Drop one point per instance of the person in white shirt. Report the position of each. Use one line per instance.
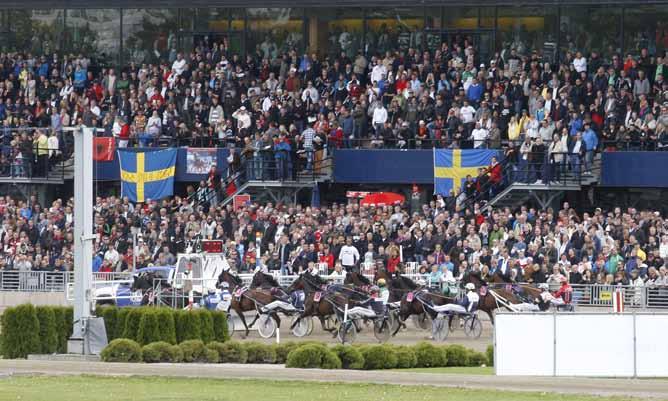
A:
(53, 145)
(349, 255)
(310, 94)
(242, 117)
(94, 108)
(378, 72)
(467, 112)
(580, 63)
(480, 136)
(379, 117)
(179, 64)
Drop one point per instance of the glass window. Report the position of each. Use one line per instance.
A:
(388, 29)
(275, 31)
(95, 33)
(459, 18)
(149, 35)
(527, 29)
(588, 28)
(219, 19)
(36, 31)
(646, 27)
(333, 30)
(487, 17)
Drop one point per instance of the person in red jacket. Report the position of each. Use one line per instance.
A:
(564, 293)
(495, 172)
(327, 257)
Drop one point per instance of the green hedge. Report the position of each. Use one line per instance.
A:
(308, 354)
(26, 329)
(490, 355)
(122, 350)
(429, 355)
(48, 334)
(146, 325)
(311, 356)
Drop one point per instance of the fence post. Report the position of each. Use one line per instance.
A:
(635, 348)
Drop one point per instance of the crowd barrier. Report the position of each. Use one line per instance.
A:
(552, 344)
(596, 295)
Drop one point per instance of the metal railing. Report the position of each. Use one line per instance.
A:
(595, 295)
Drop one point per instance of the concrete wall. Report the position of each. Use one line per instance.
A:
(13, 298)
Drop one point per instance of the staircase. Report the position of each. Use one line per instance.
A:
(518, 193)
(275, 190)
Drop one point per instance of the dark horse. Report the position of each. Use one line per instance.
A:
(488, 302)
(250, 300)
(322, 300)
(397, 284)
(524, 291)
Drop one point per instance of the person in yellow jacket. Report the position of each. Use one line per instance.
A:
(41, 146)
(514, 129)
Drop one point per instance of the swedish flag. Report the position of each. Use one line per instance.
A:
(147, 174)
(451, 166)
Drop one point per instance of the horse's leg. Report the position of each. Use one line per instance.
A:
(277, 320)
(491, 315)
(237, 308)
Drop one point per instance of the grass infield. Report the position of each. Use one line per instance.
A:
(88, 388)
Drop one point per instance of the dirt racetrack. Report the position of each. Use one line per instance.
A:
(657, 389)
(408, 336)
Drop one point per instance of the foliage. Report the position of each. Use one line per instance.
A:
(406, 357)
(232, 352)
(429, 356)
(20, 332)
(379, 357)
(48, 334)
(122, 350)
(193, 351)
(490, 355)
(312, 356)
(166, 325)
(260, 353)
(149, 328)
(132, 323)
(220, 330)
(110, 316)
(351, 357)
(158, 351)
(206, 325)
(189, 326)
(476, 358)
(457, 355)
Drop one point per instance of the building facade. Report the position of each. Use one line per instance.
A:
(114, 32)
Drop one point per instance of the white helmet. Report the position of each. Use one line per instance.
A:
(543, 286)
(225, 284)
(470, 286)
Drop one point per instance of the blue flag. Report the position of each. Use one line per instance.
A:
(451, 166)
(147, 174)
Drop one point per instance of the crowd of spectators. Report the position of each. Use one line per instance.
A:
(627, 247)
(449, 97)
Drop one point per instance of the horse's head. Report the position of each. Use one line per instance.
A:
(296, 285)
(381, 273)
(472, 277)
(362, 279)
(231, 279)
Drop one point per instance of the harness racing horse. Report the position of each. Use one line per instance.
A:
(524, 291)
(248, 300)
(398, 285)
(488, 303)
(321, 300)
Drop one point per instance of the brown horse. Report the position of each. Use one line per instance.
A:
(488, 302)
(397, 284)
(323, 303)
(524, 291)
(249, 300)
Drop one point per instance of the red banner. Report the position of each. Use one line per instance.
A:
(103, 149)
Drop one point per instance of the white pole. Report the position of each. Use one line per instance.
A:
(278, 335)
(345, 313)
(83, 230)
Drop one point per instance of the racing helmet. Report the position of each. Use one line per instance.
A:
(211, 291)
(374, 288)
(543, 286)
(470, 286)
(225, 284)
(381, 282)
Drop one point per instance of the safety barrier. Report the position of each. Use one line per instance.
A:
(635, 297)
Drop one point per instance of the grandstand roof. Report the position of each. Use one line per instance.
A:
(280, 3)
